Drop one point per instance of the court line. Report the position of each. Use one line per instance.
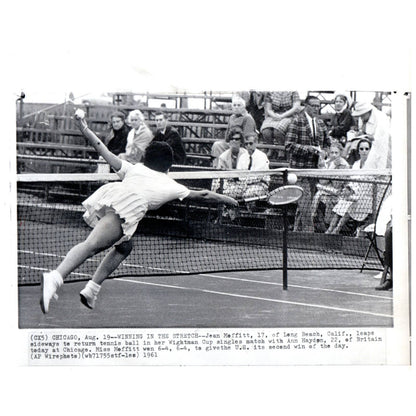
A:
(94, 260)
(297, 286)
(311, 305)
(202, 275)
(47, 270)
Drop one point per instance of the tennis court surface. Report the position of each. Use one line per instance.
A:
(192, 267)
(253, 299)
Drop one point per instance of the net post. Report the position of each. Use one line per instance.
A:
(285, 230)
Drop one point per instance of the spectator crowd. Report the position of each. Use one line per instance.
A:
(356, 136)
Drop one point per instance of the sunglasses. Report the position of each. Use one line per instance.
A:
(250, 143)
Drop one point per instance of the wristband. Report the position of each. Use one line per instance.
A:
(83, 130)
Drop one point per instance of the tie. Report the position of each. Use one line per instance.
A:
(314, 129)
(250, 162)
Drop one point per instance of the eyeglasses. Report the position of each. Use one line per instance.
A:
(249, 143)
(364, 148)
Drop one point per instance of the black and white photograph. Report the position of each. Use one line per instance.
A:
(305, 241)
(194, 192)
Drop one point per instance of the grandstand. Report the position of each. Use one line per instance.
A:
(48, 142)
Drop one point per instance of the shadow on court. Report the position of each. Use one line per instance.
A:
(255, 299)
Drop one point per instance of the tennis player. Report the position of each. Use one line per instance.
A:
(115, 210)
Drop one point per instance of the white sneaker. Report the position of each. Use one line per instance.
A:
(89, 294)
(50, 283)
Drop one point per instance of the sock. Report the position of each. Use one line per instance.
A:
(58, 277)
(94, 287)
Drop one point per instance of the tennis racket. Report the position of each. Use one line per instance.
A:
(280, 196)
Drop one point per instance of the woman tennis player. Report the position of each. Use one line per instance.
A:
(115, 210)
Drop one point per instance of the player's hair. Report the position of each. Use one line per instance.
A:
(158, 156)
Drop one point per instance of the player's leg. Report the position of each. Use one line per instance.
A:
(110, 263)
(107, 232)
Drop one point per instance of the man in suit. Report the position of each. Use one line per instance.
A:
(306, 139)
(166, 133)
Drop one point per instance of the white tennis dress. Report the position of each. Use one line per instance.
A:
(141, 189)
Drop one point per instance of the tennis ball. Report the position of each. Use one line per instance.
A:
(291, 178)
(80, 113)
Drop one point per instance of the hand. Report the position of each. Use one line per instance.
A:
(230, 201)
(317, 150)
(80, 123)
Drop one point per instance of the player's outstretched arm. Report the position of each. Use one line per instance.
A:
(113, 160)
(210, 196)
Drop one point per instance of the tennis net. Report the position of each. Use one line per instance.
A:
(189, 238)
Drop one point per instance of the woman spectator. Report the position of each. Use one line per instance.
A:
(231, 159)
(342, 121)
(116, 139)
(279, 107)
(356, 201)
(138, 138)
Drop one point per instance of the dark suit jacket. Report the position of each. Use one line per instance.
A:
(172, 138)
(299, 136)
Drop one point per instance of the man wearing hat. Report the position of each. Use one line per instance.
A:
(376, 124)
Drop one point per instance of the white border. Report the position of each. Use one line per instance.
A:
(297, 35)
